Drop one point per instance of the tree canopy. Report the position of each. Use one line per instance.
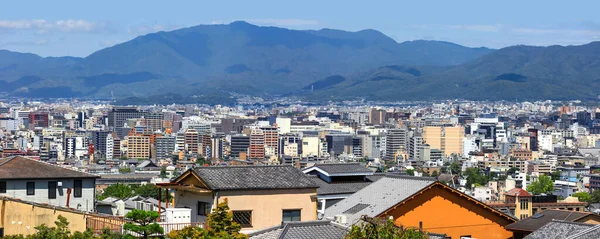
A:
(543, 184)
(143, 223)
(220, 225)
(376, 228)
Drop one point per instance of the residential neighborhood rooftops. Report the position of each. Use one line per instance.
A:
(378, 197)
(540, 219)
(338, 188)
(566, 230)
(302, 230)
(340, 169)
(253, 177)
(23, 168)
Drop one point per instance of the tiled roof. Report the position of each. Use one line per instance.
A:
(254, 177)
(518, 192)
(540, 219)
(23, 168)
(379, 196)
(566, 230)
(337, 188)
(302, 230)
(342, 168)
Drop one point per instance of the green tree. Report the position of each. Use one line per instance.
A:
(61, 231)
(220, 225)
(595, 196)
(583, 196)
(124, 170)
(455, 168)
(475, 176)
(434, 174)
(543, 184)
(120, 191)
(150, 190)
(375, 228)
(143, 223)
(410, 172)
(512, 171)
(163, 172)
(555, 175)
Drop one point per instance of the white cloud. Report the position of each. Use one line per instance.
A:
(44, 26)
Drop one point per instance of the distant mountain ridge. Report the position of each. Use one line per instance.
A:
(517, 72)
(236, 57)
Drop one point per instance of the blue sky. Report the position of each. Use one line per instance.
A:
(78, 28)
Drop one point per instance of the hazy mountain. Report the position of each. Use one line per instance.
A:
(235, 57)
(518, 72)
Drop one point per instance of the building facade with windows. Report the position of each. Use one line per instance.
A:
(258, 196)
(40, 182)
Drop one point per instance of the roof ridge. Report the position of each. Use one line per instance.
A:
(584, 231)
(8, 160)
(391, 175)
(247, 166)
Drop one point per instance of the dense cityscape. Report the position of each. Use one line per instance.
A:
(519, 160)
(299, 119)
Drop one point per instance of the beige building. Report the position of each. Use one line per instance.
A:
(259, 196)
(138, 146)
(448, 139)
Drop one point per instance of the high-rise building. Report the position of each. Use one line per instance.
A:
(377, 116)
(81, 117)
(447, 139)
(271, 137)
(289, 145)
(206, 142)
(257, 144)
(416, 148)
(38, 119)
(192, 140)
(99, 140)
(119, 115)
(138, 147)
(584, 118)
(165, 146)
(239, 143)
(338, 143)
(396, 141)
(217, 146)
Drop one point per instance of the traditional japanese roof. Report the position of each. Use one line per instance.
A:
(540, 219)
(338, 188)
(566, 230)
(340, 169)
(17, 167)
(302, 230)
(253, 177)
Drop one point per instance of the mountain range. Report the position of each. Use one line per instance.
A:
(202, 61)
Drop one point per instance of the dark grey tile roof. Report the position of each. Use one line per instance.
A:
(337, 188)
(23, 168)
(254, 177)
(342, 168)
(540, 219)
(379, 196)
(565, 230)
(302, 230)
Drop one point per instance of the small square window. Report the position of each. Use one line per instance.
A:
(244, 218)
(203, 208)
(30, 188)
(291, 216)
